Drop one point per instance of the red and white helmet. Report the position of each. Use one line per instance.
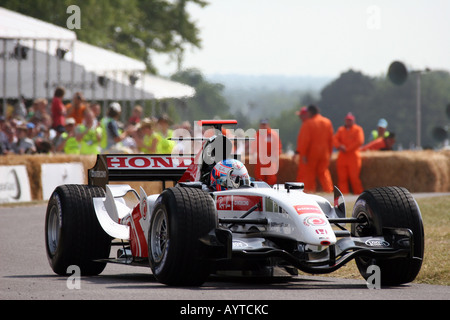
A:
(229, 174)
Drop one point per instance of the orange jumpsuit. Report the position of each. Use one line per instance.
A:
(301, 165)
(315, 145)
(377, 144)
(349, 161)
(267, 164)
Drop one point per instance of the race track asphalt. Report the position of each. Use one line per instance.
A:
(26, 275)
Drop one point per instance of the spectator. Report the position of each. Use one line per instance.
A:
(89, 134)
(136, 115)
(31, 130)
(58, 139)
(7, 138)
(267, 146)
(97, 110)
(70, 143)
(149, 141)
(46, 130)
(111, 135)
(77, 108)
(58, 109)
(41, 120)
(43, 146)
(348, 139)
(3, 136)
(303, 115)
(23, 145)
(381, 130)
(315, 146)
(381, 143)
(39, 110)
(163, 135)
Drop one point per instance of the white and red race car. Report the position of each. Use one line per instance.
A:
(189, 232)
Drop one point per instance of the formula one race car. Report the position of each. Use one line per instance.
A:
(215, 220)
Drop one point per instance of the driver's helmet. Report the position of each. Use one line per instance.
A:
(229, 174)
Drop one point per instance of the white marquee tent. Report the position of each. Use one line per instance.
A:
(14, 25)
(36, 57)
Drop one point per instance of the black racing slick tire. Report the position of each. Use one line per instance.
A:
(73, 235)
(390, 207)
(181, 217)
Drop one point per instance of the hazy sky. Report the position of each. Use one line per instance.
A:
(318, 38)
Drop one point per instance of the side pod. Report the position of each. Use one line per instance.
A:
(108, 212)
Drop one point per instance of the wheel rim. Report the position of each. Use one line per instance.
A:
(53, 230)
(363, 229)
(159, 235)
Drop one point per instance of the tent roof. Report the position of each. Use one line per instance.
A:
(97, 59)
(14, 25)
(163, 88)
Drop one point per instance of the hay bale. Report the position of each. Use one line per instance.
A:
(287, 171)
(33, 164)
(418, 171)
(446, 154)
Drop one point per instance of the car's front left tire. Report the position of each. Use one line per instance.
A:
(73, 235)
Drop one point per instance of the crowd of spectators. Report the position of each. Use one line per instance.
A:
(78, 128)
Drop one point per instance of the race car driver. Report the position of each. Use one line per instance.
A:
(229, 174)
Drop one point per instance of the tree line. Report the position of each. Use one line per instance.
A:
(136, 28)
(368, 98)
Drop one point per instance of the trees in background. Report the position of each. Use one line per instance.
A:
(136, 28)
(368, 98)
(208, 102)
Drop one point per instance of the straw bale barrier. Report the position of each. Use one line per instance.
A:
(425, 171)
(418, 171)
(33, 165)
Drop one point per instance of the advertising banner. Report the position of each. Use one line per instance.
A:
(14, 184)
(56, 174)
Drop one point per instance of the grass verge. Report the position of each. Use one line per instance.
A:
(436, 265)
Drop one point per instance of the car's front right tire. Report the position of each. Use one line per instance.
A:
(390, 207)
(180, 218)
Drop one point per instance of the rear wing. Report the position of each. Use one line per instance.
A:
(162, 167)
(138, 167)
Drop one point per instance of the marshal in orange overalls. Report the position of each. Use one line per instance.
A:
(315, 145)
(348, 139)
